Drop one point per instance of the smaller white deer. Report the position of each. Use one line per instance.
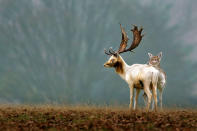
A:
(155, 62)
(138, 76)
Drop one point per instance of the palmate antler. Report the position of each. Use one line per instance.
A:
(137, 37)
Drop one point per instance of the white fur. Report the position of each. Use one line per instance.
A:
(161, 86)
(139, 72)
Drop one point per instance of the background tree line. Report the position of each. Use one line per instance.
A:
(52, 51)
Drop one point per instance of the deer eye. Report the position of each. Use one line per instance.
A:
(112, 61)
(115, 55)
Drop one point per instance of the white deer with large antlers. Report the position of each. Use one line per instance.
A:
(138, 76)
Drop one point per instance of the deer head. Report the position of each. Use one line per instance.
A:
(115, 58)
(154, 60)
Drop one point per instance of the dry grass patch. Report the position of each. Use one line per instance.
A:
(49, 117)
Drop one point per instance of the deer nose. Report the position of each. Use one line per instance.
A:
(105, 65)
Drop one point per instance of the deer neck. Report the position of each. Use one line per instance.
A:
(121, 67)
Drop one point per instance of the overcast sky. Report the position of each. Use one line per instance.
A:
(179, 10)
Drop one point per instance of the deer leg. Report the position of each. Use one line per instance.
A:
(160, 96)
(152, 101)
(145, 98)
(131, 98)
(136, 98)
(146, 101)
(149, 95)
(155, 97)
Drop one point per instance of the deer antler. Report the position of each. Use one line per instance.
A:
(124, 41)
(110, 52)
(137, 37)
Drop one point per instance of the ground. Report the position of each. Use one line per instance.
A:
(48, 117)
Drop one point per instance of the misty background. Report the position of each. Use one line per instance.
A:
(51, 51)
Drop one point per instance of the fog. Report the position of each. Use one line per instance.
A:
(52, 51)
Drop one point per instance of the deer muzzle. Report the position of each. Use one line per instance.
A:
(107, 64)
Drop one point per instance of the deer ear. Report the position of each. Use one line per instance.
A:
(160, 55)
(150, 55)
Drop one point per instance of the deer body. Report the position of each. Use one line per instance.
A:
(155, 62)
(138, 76)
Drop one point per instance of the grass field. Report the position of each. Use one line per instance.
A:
(93, 118)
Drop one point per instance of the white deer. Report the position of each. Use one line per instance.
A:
(138, 76)
(155, 62)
